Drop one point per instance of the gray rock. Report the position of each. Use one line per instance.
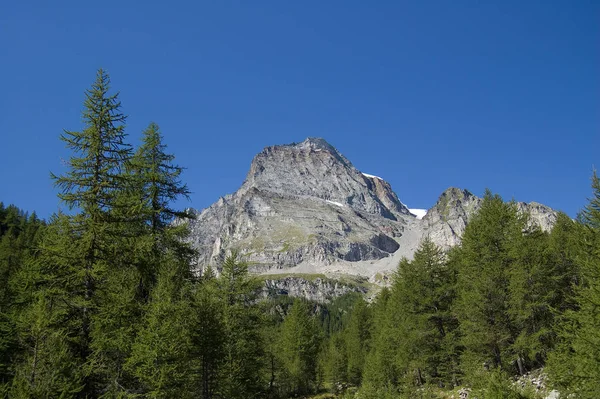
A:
(304, 208)
(318, 289)
(302, 203)
(446, 221)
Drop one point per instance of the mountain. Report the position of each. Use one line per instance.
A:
(304, 208)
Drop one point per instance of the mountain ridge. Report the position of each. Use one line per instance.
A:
(305, 208)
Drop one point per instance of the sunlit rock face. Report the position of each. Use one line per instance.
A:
(304, 208)
(302, 203)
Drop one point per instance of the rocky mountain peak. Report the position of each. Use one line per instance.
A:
(303, 202)
(304, 208)
(315, 169)
(453, 202)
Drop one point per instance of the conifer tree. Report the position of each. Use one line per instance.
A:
(300, 344)
(208, 335)
(422, 295)
(357, 340)
(161, 179)
(156, 185)
(538, 287)
(162, 353)
(380, 376)
(336, 358)
(49, 329)
(482, 305)
(241, 370)
(19, 237)
(91, 186)
(575, 365)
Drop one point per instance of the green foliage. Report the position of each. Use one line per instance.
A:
(160, 358)
(484, 263)
(357, 336)
(243, 349)
(575, 366)
(49, 367)
(380, 372)
(336, 358)
(19, 236)
(299, 346)
(495, 384)
(422, 296)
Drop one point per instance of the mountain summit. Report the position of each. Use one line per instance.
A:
(305, 208)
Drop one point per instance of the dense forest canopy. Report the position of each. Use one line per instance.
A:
(104, 303)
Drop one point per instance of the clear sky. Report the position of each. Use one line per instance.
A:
(425, 94)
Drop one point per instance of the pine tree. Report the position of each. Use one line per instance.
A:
(575, 365)
(336, 358)
(48, 368)
(162, 353)
(91, 186)
(482, 304)
(160, 178)
(422, 296)
(241, 370)
(19, 237)
(49, 328)
(357, 340)
(299, 347)
(380, 375)
(208, 335)
(540, 288)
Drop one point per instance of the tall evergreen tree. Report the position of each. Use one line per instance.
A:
(208, 335)
(300, 344)
(540, 287)
(156, 186)
(241, 370)
(19, 237)
(575, 366)
(422, 295)
(91, 186)
(336, 358)
(162, 353)
(49, 328)
(380, 376)
(161, 180)
(357, 340)
(483, 263)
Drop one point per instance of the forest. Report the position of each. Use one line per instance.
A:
(103, 301)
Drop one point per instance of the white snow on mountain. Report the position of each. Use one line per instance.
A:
(419, 213)
(372, 176)
(335, 203)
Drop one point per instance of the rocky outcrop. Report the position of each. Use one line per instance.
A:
(446, 221)
(302, 203)
(319, 289)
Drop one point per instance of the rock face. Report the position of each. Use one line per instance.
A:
(302, 203)
(304, 208)
(320, 290)
(446, 221)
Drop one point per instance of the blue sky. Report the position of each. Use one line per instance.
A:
(425, 94)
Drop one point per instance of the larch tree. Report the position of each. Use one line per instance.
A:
(482, 306)
(422, 296)
(91, 187)
(299, 347)
(575, 365)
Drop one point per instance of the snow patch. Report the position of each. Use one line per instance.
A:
(419, 213)
(372, 176)
(335, 203)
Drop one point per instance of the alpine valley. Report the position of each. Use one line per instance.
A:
(313, 225)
